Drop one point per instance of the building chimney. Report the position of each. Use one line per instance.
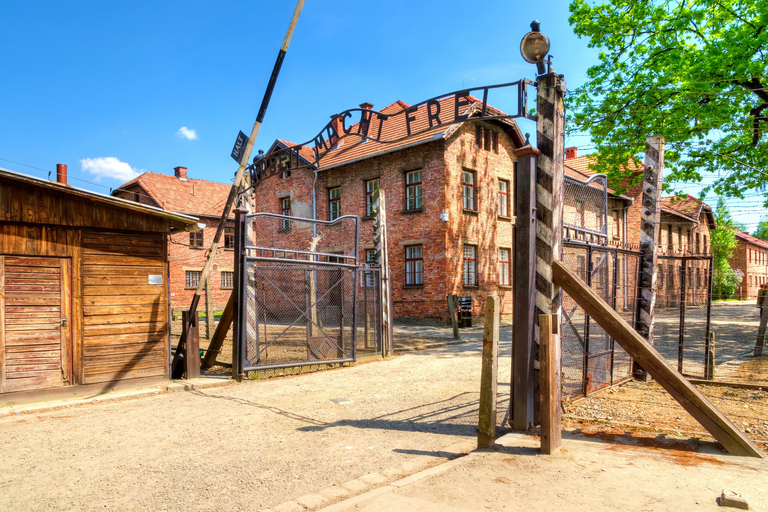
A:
(61, 173)
(570, 153)
(367, 106)
(180, 172)
(336, 123)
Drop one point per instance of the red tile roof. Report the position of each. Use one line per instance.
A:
(688, 207)
(190, 196)
(745, 237)
(578, 168)
(353, 147)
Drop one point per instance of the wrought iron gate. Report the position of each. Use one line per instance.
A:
(297, 290)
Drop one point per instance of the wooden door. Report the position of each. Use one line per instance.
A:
(34, 323)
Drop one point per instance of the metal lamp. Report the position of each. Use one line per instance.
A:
(534, 46)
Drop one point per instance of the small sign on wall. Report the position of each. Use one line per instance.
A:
(155, 279)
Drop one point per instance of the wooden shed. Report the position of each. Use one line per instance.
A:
(83, 285)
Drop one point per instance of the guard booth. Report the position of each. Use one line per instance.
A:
(302, 297)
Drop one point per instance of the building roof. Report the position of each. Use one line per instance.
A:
(190, 196)
(688, 207)
(578, 169)
(185, 221)
(353, 148)
(746, 237)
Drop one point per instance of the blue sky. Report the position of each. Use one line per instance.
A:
(116, 88)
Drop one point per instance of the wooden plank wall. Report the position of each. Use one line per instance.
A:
(125, 319)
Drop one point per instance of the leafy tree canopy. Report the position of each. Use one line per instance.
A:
(723, 238)
(762, 228)
(693, 71)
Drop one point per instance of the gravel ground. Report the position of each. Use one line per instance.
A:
(248, 446)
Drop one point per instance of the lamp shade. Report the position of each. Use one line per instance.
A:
(534, 47)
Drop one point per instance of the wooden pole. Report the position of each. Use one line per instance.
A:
(486, 426)
(761, 294)
(209, 316)
(451, 299)
(649, 232)
(382, 255)
(697, 405)
(550, 129)
(222, 328)
(711, 357)
(191, 325)
(550, 384)
(523, 293)
(240, 176)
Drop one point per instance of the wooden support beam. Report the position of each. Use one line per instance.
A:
(452, 300)
(761, 299)
(697, 405)
(209, 321)
(549, 336)
(709, 373)
(222, 328)
(191, 326)
(486, 426)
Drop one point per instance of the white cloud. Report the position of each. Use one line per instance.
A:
(108, 167)
(186, 133)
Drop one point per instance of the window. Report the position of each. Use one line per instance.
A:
(670, 247)
(581, 267)
(580, 213)
(226, 280)
(468, 190)
(196, 238)
(486, 139)
(371, 186)
(503, 198)
(334, 203)
(616, 224)
(192, 278)
(370, 259)
(413, 190)
(229, 238)
(495, 142)
(414, 265)
(697, 247)
(504, 267)
(690, 242)
(470, 265)
(706, 245)
(285, 209)
(478, 136)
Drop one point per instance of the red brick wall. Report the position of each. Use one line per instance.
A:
(753, 261)
(183, 257)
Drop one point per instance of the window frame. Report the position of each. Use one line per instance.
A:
(505, 266)
(230, 279)
(418, 188)
(486, 139)
(581, 213)
(469, 277)
(286, 211)
(195, 275)
(414, 266)
(504, 199)
(229, 238)
(478, 136)
(193, 239)
(369, 195)
(472, 187)
(495, 142)
(334, 203)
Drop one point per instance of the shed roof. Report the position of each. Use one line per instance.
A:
(183, 221)
(189, 196)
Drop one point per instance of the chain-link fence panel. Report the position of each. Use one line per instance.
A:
(369, 339)
(585, 209)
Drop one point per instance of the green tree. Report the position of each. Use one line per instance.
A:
(693, 71)
(762, 228)
(725, 280)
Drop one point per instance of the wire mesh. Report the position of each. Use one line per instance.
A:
(369, 340)
(585, 209)
(298, 314)
(591, 359)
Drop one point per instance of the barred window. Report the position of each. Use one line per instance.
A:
(285, 209)
(414, 265)
(192, 278)
(334, 203)
(413, 190)
(226, 280)
(370, 259)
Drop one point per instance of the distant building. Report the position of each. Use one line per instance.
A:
(751, 257)
(187, 251)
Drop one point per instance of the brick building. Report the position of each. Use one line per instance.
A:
(187, 251)
(751, 257)
(448, 198)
